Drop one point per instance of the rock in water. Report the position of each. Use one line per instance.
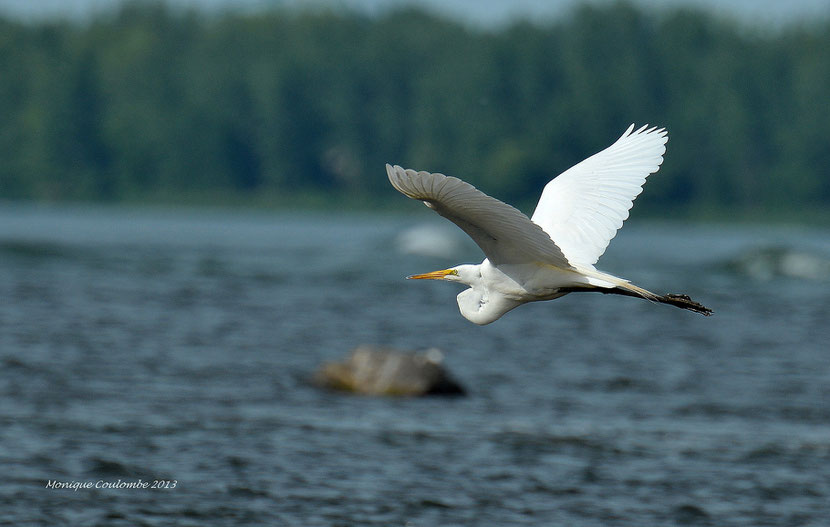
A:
(370, 370)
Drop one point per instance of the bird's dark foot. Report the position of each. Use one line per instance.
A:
(684, 302)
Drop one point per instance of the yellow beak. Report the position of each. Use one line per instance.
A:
(435, 275)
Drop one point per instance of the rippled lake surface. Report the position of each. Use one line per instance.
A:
(143, 345)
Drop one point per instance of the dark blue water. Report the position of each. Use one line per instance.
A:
(177, 347)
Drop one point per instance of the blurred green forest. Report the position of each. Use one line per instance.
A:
(148, 104)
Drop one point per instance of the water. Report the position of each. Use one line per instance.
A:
(178, 346)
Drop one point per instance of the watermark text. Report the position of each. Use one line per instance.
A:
(104, 484)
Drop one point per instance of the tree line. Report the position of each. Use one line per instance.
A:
(149, 103)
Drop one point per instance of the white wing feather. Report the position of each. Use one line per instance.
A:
(503, 232)
(582, 208)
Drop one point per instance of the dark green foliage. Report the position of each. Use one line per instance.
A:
(150, 102)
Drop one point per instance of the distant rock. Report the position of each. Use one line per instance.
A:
(766, 263)
(370, 370)
(429, 240)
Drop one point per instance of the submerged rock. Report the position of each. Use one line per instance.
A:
(689, 514)
(371, 370)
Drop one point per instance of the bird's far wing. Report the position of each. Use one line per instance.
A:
(503, 232)
(582, 208)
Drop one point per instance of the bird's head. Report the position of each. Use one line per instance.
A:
(464, 274)
(478, 304)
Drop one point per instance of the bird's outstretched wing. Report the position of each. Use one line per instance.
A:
(503, 232)
(582, 208)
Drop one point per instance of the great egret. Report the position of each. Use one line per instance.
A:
(553, 252)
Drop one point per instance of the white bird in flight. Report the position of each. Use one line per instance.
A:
(553, 252)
